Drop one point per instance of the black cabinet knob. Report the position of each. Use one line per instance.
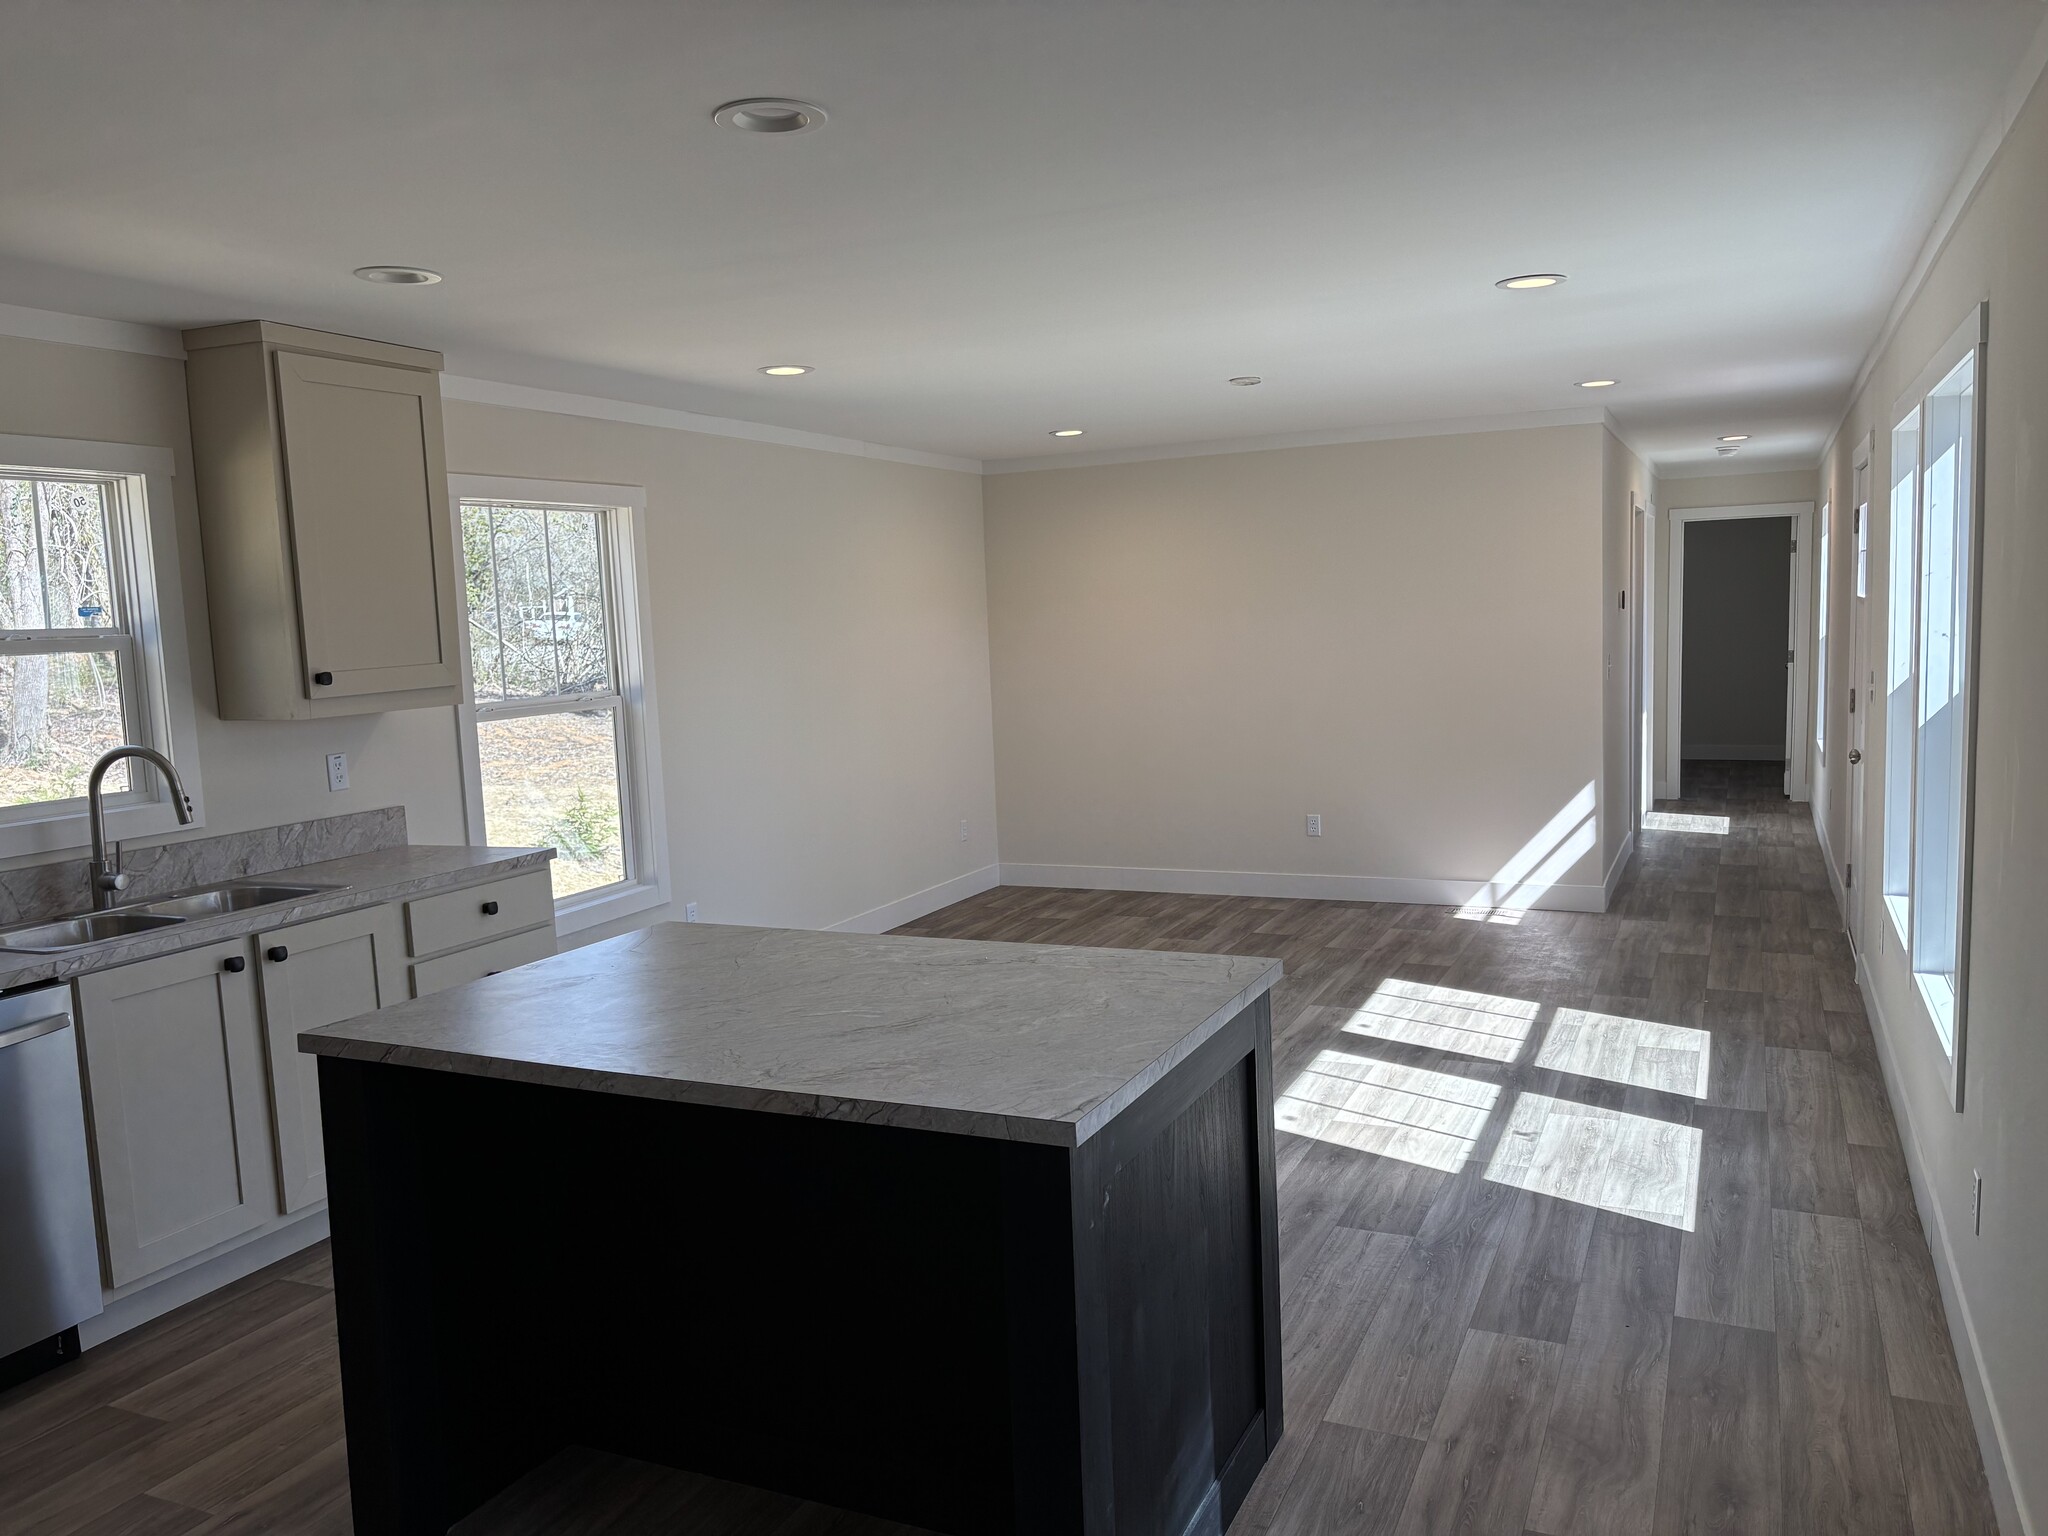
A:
(277, 954)
(490, 909)
(234, 965)
(324, 679)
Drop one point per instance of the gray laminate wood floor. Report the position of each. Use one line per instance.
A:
(1590, 1225)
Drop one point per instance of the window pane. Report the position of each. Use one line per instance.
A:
(577, 555)
(74, 515)
(525, 602)
(57, 715)
(553, 781)
(480, 585)
(21, 577)
(1898, 736)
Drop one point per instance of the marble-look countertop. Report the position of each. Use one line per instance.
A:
(1026, 1042)
(366, 880)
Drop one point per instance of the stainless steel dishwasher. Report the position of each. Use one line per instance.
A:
(49, 1251)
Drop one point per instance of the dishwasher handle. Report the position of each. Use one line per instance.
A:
(33, 1029)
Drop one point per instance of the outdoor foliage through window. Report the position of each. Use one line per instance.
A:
(62, 694)
(547, 701)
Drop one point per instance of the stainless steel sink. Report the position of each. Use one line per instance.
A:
(89, 928)
(239, 897)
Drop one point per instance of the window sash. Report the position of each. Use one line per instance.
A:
(614, 705)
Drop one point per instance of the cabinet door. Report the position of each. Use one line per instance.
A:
(372, 549)
(334, 968)
(174, 1083)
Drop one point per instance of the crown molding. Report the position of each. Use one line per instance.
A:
(560, 403)
(87, 331)
(2026, 75)
(1520, 421)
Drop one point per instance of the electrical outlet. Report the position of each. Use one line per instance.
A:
(1976, 1202)
(1315, 824)
(337, 771)
(689, 911)
(963, 831)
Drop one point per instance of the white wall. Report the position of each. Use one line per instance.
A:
(1403, 636)
(821, 653)
(257, 773)
(1997, 251)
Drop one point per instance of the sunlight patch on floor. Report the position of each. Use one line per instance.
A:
(1643, 1054)
(1445, 1019)
(1429, 1118)
(1629, 1164)
(1680, 821)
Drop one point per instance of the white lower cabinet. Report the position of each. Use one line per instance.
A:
(205, 1114)
(316, 973)
(175, 1084)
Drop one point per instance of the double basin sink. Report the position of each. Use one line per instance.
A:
(209, 901)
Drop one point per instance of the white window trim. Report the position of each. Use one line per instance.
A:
(640, 780)
(165, 714)
(1947, 1007)
(1824, 613)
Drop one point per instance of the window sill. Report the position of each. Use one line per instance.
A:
(590, 909)
(1901, 919)
(1940, 998)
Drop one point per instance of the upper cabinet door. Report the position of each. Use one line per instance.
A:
(372, 548)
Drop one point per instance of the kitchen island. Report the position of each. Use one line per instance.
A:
(979, 1237)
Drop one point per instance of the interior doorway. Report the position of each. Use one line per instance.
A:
(1734, 672)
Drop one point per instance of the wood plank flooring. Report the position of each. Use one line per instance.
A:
(1592, 1225)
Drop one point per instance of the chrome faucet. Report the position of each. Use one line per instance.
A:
(107, 879)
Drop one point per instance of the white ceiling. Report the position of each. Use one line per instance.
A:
(1027, 214)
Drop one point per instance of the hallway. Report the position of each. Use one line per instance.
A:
(1594, 1224)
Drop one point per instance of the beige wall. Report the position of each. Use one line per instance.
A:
(821, 654)
(256, 773)
(1998, 252)
(820, 651)
(1673, 495)
(1192, 654)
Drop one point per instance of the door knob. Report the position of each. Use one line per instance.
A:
(1855, 754)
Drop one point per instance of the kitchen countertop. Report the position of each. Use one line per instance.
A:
(1028, 1042)
(386, 874)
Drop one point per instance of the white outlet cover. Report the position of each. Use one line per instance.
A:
(337, 771)
(1315, 824)
(689, 911)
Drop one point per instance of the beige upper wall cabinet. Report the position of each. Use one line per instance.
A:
(323, 506)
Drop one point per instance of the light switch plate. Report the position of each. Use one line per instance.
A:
(337, 771)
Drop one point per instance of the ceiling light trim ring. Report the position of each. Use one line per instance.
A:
(401, 277)
(1527, 282)
(780, 117)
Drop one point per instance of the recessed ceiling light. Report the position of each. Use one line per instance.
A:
(1248, 379)
(786, 370)
(1066, 432)
(770, 114)
(409, 277)
(1736, 437)
(1531, 280)
(1597, 383)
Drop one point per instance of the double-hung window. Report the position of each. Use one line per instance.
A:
(1928, 725)
(559, 730)
(91, 643)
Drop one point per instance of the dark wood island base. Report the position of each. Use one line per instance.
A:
(970, 1333)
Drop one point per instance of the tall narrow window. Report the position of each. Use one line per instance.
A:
(1820, 661)
(558, 710)
(84, 665)
(1928, 724)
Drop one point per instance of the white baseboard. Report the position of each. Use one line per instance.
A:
(154, 1299)
(1984, 1417)
(1233, 882)
(908, 909)
(1614, 871)
(1754, 752)
(1827, 857)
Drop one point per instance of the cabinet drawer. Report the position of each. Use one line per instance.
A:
(468, 964)
(435, 923)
